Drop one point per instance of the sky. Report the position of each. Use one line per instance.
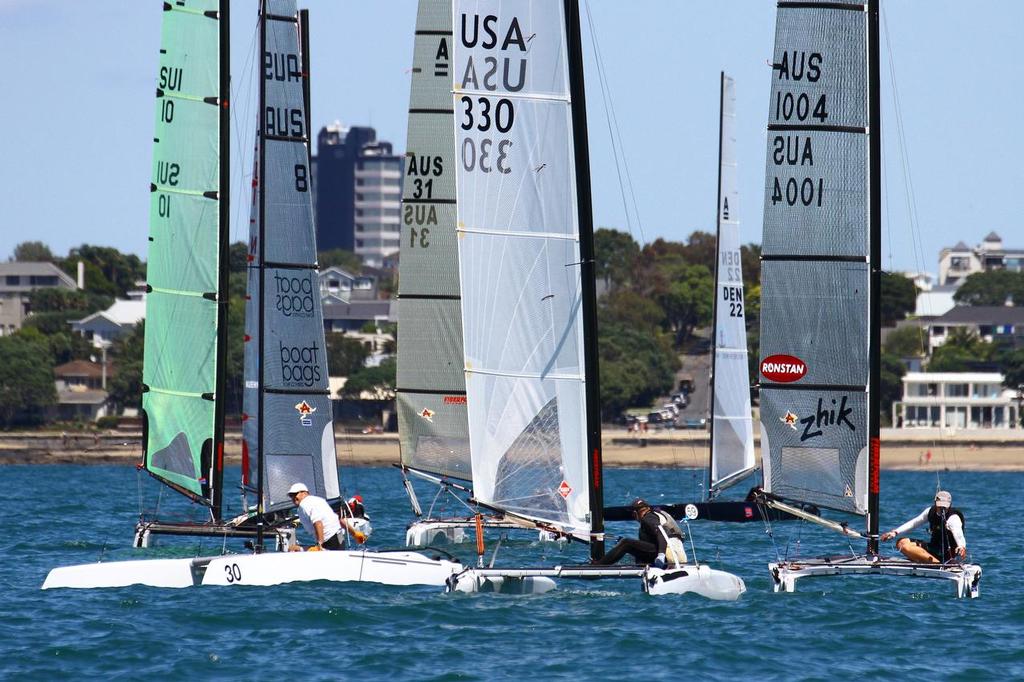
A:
(77, 116)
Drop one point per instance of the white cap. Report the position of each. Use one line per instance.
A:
(943, 499)
(298, 488)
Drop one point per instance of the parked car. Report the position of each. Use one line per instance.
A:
(695, 423)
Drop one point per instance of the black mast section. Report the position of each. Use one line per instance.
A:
(714, 301)
(874, 264)
(304, 59)
(261, 172)
(224, 247)
(585, 219)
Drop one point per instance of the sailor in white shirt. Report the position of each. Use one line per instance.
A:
(946, 525)
(320, 520)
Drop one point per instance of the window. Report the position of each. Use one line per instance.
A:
(13, 280)
(956, 390)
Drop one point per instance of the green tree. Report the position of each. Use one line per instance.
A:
(636, 367)
(627, 307)
(26, 378)
(702, 249)
(615, 256)
(345, 355)
(107, 270)
(238, 257)
(125, 387)
(750, 257)
(993, 287)
(891, 380)
(33, 252)
(378, 381)
(962, 351)
(688, 300)
(906, 342)
(57, 300)
(897, 297)
(342, 258)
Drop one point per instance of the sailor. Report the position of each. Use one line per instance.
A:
(355, 513)
(320, 520)
(946, 525)
(659, 541)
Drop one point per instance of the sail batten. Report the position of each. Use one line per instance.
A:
(815, 291)
(431, 398)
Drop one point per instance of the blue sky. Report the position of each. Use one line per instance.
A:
(76, 122)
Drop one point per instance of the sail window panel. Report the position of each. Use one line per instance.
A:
(733, 444)
(435, 436)
(522, 305)
(730, 322)
(180, 347)
(186, 158)
(430, 336)
(250, 386)
(431, 156)
(432, 72)
(184, 255)
(527, 438)
(287, 202)
(821, 456)
(177, 428)
(522, 181)
(816, 196)
(295, 356)
(189, 64)
(817, 312)
(521, 50)
(429, 250)
(299, 438)
(819, 53)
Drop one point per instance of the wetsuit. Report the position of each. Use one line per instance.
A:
(651, 541)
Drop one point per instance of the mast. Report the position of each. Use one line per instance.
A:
(585, 218)
(714, 300)
(261, 180)
(224, 246)
(304, 57)
(875, 261)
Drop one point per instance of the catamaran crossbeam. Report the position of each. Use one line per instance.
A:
(145, 530)
(965, 577)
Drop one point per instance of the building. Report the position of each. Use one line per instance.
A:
(990, 323)
(81, 390)
(938, 300)
(352, 316)
(956, 400)
(17, 281)
(341, 286)
(106, 325)
(358, 192)
(956, 263)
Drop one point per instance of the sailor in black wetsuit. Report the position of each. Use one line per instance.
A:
(657, 530)
(946, 526)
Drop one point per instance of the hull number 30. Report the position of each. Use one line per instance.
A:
(232, 573)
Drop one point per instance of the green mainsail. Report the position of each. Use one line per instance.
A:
(180, 372)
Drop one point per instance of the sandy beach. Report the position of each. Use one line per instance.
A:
(964, 451)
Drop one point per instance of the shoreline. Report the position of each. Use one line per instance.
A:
(1002, 451)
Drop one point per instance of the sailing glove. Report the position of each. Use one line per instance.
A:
(659, 561)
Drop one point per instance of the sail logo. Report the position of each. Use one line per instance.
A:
(294, 295)
(427, 414)
(783, 369)
(305, 411)
(564, 489)
(455, 400)
(826, 418)
(300, 365)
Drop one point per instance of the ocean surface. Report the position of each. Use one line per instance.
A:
(832, 628)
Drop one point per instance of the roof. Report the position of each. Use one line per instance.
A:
(982, 314)
(959, 377)
(36, 269)
(123, 313)
(82, 368)
(960, 246)
(357, 310)
(993, 237)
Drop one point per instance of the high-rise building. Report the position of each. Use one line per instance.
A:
(358, 193)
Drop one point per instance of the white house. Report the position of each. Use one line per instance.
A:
(106, 325)
(956, 400)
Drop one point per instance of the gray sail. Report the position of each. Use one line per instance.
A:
(288, 426)
(431, 393)
(814, 275)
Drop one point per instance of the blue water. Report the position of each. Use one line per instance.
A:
(874, 627)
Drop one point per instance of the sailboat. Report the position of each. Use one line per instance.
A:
(288, 432)
(431, 391)
(526, 267)
(821, 260)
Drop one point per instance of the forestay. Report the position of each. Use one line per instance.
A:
(179, 369)
(519, 260)
(814, 286)
(732, 444)
(431, 393)
(287, 417)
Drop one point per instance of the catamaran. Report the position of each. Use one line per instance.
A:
(821, 260)
(288, 433)
(526, 266)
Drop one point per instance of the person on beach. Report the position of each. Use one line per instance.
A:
(946, 525)
(659, 540)
(321, 521)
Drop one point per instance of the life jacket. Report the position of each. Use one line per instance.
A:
(941, 537)
(675, 548)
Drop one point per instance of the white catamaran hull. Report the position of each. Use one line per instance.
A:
(966, 578)
(275, 568)
(703, 580)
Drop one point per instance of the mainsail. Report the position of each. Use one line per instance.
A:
(431, 394)
(732, 438)
(815, 340)
(288, 427)
(183, 368)
(525, 261)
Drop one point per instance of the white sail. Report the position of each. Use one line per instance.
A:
(519, 260)
(732, 444)
(814, 278)
(431, 392)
